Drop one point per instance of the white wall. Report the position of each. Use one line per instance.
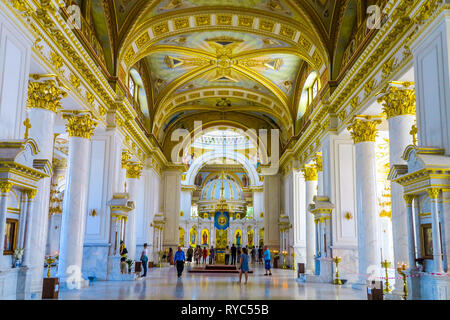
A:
(432, 74)
(14, 73)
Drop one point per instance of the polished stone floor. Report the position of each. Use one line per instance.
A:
(162, 283)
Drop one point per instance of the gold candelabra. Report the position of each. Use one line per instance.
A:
(336, 260)
(386, 264)
(401, 270)
(160, 253)
(49, 261)
(284, 259)
(293, 261)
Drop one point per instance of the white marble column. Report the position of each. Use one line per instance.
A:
(28, 234)
(5, 188)
(134, 171)
(433, 193)
(411, 258)
(399, 104)
(364, 133)
(80, 128)
(43, 103)
(310, 174)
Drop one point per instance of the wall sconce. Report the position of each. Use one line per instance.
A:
(93, 213)
(348, 216)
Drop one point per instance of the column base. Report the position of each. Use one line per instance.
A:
(114, 273)
(71, 284)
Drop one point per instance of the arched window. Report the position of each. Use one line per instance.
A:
(131, 86)
(309, 93)
(137, 90)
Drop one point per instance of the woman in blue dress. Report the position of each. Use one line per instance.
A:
(244, 265)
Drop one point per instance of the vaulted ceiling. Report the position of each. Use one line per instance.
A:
(241, 61)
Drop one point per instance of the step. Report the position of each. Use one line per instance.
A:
(220, 267)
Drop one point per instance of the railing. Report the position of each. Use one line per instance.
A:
(87, 35)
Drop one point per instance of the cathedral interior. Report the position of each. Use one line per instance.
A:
(317, 128)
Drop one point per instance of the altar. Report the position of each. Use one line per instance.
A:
(221, 225)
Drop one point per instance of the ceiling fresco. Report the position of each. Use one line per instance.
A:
(229, 56)
(276, 6)
(262, 69)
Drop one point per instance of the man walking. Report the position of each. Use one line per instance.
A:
(179, 259)
(233, 254)
(267, 261)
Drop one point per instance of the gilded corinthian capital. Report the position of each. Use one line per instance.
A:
(134, 170)
(398, 99)
(310, 173)
(45, 95)
(318, 161)
(364, 130)
(5, 187)
(80, 124)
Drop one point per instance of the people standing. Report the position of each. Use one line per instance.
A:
(244, 268)
(205, 255)
(239, 254)
(144, 259)
(267, 261)
(197, 254)
(253, 255)
(190, 253)
(211, 255)
(260, 254)
(227, 255)
(123, 257)
(233, 254)
(179, 261)
(170, 256)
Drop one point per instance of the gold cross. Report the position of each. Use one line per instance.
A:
(27, 125)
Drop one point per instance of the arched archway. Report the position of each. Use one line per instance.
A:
(202, 160)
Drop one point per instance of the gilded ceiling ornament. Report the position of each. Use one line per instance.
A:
(354, 102)
(245, 21)
(56, 60)
(204, 20)
(368, 87)
(102, 111)
(266, 25)
(398, 100)
(181, 23)
(142, 40)
(287, 32)
(80, 125)
(225, 20)
(310, 173)
(45, 95)
(126, 157)
(364, 131)
(387, 68)
(76, 82)
(342, 115)
(305, 43)
(90, 97)
(160, 29)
